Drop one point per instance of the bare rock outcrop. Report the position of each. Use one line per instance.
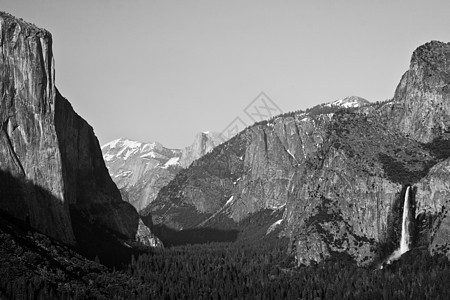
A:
(421, 104)
(203, 143)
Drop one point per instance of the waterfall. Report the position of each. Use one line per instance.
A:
(404, 239)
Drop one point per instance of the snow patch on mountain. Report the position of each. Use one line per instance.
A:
(274, 226)
(229, 201)
(148, 155)
(172, 162)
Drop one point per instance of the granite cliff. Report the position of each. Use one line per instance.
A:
(421, 105)
(337, 173)
(61, 184)
(203, 143)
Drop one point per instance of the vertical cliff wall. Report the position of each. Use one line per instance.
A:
(51, 152)
(421, 106)
(29, 144)
(203, 143)
(89, 189)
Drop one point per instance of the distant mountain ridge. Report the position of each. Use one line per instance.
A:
(140, 170)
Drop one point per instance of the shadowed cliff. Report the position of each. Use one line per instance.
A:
(93, 240)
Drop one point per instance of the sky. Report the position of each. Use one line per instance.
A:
(165, 70)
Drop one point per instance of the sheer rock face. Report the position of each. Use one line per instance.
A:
(339, 176)
(203, 143)
(29, 142)
(421, 107)
(146, 237)
(51, 150)
(88, 186)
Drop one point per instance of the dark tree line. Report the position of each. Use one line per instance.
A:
(232, 271)
(33, 266)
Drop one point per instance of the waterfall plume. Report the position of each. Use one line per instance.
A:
(405, 237)
(404, 241)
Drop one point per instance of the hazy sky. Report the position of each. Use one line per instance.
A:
(164, 70)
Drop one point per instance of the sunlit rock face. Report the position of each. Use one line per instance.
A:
(50, 150)
(338, 171)
(29, 147)
(421, 106)
(203, 143)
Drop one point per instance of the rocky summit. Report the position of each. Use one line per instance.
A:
(52, 172)
(337, 172)
(203, 143)
(140, 170)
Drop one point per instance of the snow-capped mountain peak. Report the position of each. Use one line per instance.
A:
(124, 149)
(351, 101)
(141, 169)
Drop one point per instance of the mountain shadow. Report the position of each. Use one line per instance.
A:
(171, 237)
(440, 147)
(254, 229)
(399, 170)
(92, 240)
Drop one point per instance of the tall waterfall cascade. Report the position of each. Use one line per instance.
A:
(404, 241)
(405, 237)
